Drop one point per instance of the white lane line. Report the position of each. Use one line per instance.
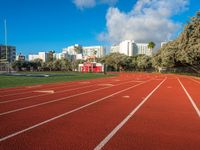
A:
(105, 84)
(190, 98)
(45, 91)
(34, 86)
(66, 113)
(47, 88)
(61, 91)
(194, 80)
(57, 100)
(121, 124)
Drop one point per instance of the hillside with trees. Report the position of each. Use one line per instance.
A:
(183, 51)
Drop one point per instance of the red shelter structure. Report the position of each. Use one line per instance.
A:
(91, 67)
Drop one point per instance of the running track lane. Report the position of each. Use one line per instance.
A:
(48, 99)
(29, 89)
(33, 93)
(166, 121)
(193, 88)
(84, 128)
(13, 121)
(5, 91)
(57, 88)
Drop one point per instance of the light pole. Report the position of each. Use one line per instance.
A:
(6, 46)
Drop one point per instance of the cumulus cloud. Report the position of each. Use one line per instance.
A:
(82, 4)
(149, 20)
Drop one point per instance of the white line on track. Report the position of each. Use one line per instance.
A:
(67, 113)
(60, 99)
(61, 91)
(190, 98)
(195, 80)
(121, 124)
(47, 88)
(37, 86)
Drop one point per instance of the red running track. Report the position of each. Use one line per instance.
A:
(130, 111)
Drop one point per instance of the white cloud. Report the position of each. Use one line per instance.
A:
(81, 4)
(149, 20)
(84, 3)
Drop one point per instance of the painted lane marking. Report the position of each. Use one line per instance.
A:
(121, 124)
(56, 100)
(62, 91)
(54, 86)
(105, 84)
(84, 82)
(45, 91)
(47, 88)
(66, 113)
(194, 80)
(34, 86)
(190, 98)
(126, 96)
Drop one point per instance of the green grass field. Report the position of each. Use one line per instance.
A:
(13, 81)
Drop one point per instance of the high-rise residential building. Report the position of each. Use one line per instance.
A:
(59, 56)
(142, 48)
(90, 51)
(130, 48)
(114, 49)
(87, 51)
(41, 55)
(7, 53)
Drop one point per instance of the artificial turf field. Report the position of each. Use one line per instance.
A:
(130, 111)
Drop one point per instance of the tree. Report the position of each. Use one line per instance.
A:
(114, 61)
(57, 65)
(184, 50)
(50, 56)
(38, 63)
(151, 45)
(78, 49)
(75, 63)
(65, 65)
(144, 62)
(17, 65)
(50, 65)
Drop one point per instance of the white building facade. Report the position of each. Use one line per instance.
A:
(130, 48)
(91, 51)
(87, 51)
(41, 55)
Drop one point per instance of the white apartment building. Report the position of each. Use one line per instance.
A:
(88, 51)
(97, 51)
(130, 48)
(114, 48)
(142, 48)
(40, 55)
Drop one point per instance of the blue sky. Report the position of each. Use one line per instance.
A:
(42, 25)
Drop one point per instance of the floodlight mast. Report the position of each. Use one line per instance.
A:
(5, 27)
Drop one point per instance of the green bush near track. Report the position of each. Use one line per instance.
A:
(13, 81)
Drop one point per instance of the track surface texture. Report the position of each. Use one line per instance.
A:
(136, 111)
